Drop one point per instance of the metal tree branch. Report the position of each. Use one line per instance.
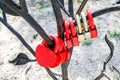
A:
(62, 2)
(58, 16)
(107, 77)
(63, 8)
(24, 43)
(71, 49)
(81, 6)
(111, 46)
(70, 8)
(18, 35)
(106, 10)
(23, 6)
(7, 9)
(4, 16)
(59, 21)
(51, 74)
(116, 70)
(18, 9)
(4, 21)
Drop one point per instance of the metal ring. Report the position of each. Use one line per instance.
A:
(67, 31)
(92, 25)
(78, 23)
(72, 27)
(90, 20)
(85, 23)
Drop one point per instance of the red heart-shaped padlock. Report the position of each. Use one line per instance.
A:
(52, 56)
(44, 56)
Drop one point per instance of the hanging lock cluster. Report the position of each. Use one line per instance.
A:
(53, 55)
(70, 33)
(86, 28)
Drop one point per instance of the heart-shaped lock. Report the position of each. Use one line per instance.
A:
(44, 56)
(52, 56)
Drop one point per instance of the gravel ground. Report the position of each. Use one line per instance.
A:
(86, 62)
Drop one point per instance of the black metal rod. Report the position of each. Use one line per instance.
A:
(81, 6)
(64, 71)
(4, 16)
(17, 35)
(51, 74)
(111, 46)
(62, 2)
(63, 8)
(25, 44)
(38, 28)
(106, 10)
(23, 6)
(117, 8)
(29, 19)
(58, 16)
(71, 49)
(70, 7)
(100, 76)
(7, 10)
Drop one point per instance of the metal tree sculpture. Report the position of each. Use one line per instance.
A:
(10, 7)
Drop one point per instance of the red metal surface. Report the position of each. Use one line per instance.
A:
(67, 34)
(90, 20)
(44, 56)
(52, 56)
(73, 33)
(92, 25)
